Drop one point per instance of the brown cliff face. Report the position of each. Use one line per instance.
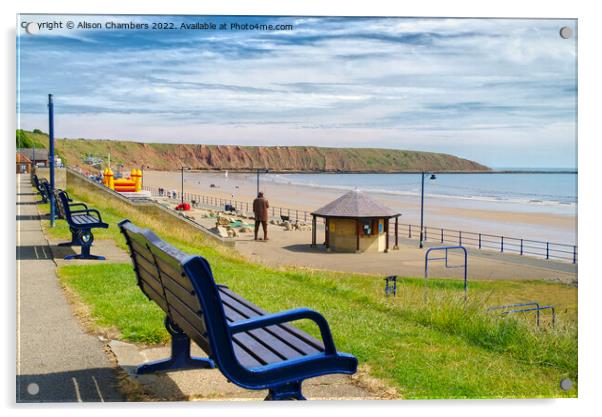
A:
(276, 158)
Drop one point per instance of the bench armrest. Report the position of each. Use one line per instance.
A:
(79, 205)
(288, 316)
(88, 211)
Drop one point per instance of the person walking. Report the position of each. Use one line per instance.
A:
(260, 209)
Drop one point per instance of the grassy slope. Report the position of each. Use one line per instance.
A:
(436, 349)
(167, 157)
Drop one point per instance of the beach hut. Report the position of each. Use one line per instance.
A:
(356, 223)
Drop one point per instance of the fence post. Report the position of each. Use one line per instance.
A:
(460, 238)
(547, 250)
(425, 229)
(502, 244)
(479, 241)
(297, 215)
(409, 231)
(442, 235)
(574, 254)
(521, 246)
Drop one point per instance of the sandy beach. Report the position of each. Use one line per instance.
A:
(498, 219)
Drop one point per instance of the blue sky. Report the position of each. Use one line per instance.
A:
(501, 92)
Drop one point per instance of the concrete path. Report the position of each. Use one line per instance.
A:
(210, 384)
(56, 360)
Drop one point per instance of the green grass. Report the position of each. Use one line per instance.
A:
(425, 341)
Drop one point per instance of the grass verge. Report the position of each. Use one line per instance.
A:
(425, 342)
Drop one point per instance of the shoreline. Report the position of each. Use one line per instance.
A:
(496, 217)
(489, 171)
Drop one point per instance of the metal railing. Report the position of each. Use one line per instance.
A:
(503, 244)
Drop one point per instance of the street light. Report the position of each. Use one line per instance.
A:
(182, 189)
(51, 158)
(432, 177)
(265, 171)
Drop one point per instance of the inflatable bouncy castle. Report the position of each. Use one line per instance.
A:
(126, 186)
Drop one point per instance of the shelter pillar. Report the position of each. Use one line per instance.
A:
(313, 231)
(396, 233)
(358, 229)
(327, 241)
(387, 235)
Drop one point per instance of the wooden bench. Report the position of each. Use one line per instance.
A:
(253, 349)
(60, 210)
(81, 222)
(39, 184)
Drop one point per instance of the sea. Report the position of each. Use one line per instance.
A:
(553, 191)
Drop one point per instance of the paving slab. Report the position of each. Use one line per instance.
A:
(210, 384)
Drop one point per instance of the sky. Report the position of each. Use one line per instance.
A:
(502, 92)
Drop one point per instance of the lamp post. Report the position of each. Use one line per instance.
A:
(51, 157)
(265, 171)
(182, 189)
(433, 177)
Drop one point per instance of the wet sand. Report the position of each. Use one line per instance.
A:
(439, 212)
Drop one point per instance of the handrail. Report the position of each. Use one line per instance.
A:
(447, 249)
(525, 308)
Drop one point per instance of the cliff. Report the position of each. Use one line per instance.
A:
(276, 158)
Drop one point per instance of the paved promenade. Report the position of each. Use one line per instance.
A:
(56, 360)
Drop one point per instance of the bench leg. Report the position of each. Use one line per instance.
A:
(85, 239)
(180, 355)
(74, 241)
(290, 391)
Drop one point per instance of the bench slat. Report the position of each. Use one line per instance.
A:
(151, 281)
(192, 316)
(262, 354)
(268, 340)
(287, 344)
(143, 251)
(153, 295)
(82, 219)
(243, 357)
(310, 344)
(174, 274)
(183, 295)
(191, 331)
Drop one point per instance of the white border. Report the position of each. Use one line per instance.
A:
(589, 190)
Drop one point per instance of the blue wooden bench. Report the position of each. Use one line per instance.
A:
(253, 349)
(41, 187)
(61, 213)
(81, 222)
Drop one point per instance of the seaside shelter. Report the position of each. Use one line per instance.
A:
(356, 223)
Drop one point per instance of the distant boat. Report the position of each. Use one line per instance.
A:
(226, 174)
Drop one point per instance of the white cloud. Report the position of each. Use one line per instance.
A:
(416, 83)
